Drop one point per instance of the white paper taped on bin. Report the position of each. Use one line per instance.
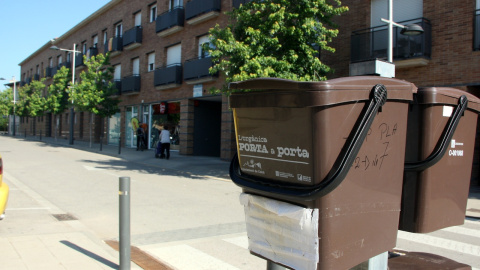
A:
(282, 232)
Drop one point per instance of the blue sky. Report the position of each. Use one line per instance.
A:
(27, 25)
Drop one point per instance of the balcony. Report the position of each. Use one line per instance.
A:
(114, 46)
(196, 71)
(79, 60)
(132, 38)
(28, 80)
(236, 3)
(476, 34)
(131, 85)
(48, 72)
(55, 70)
(36, 77)
(170, 22)
(408, 51)
(168, 77)
(118, 85)
(198, 11)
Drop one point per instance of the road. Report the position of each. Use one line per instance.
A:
(189, 221)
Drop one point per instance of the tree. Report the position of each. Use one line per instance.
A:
(95, 92)
(276, 38)
(57, 97)
(6, 102)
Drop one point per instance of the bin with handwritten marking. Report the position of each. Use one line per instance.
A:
(439, 154)
(324, 159)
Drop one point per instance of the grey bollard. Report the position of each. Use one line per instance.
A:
(124, 229)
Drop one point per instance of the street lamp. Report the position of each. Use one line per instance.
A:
(14, 102)
(408, 30)
(70, 141)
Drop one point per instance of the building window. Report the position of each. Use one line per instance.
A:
(151, 61)
(175, 4)
(50, 62)
(201, 52)
(59, 60)
(105, 36)
(136, 66)
(117, 73)
(84, 47)
(138, 19)
(95, 41)
(153, 13)
(118, 30)
(174, 55)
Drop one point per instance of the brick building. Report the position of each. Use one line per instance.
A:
(161, 64)
(160, 70)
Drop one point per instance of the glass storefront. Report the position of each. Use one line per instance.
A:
(114, 129)
(131, 124)
(165, 114)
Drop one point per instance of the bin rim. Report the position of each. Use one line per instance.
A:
(275, 92)
(446, 96)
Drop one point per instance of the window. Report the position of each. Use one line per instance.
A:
(138, 19)
(117, 73)
(175, 4)
(118, 30)
(174, 55)
(136, 66)
(50, 62)
(153, 13)
(201, 52)
(37, 70)
(69, 57)
(151, 61)
(105, 36)
(59, 60)
(95, 41)
(402, 10)
(84, 47)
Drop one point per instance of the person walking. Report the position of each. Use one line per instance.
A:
(140, 138)
(165, 141)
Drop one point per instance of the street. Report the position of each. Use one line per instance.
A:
(64, 203)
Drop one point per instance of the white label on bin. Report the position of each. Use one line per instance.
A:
(282, 232)
(455, 152)
(447, 111)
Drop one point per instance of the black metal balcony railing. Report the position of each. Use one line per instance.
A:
(28, 80)
(131, 84)
(236, 3)
(476, 34)
(55, 70)
(197, 68)
(371, 43)
(48, 72)
(196, 8)
(114, 44)
(171, 74)
(170, 19)
(132, 36)
(79, 60)
(118, 85)
(92, 51)
(36, 77)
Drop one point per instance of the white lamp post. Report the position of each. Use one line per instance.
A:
(72, 86)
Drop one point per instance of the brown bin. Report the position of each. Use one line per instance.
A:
(439, 154)
(337, 146)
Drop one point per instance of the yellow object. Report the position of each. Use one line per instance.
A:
(4, 190)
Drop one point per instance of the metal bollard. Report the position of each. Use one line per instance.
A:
(124, 228)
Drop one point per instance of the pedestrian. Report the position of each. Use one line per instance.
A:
(140, 138)
(165, 142)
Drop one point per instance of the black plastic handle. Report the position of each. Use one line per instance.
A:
(444, 140)
(340, 169)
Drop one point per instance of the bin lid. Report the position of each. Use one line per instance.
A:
(446, 96)
(274, 92)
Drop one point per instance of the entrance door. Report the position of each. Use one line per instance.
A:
(207, 128)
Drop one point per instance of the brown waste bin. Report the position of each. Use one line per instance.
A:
(439, 154)
(337, 146)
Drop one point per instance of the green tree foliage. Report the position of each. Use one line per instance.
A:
(6, 102)
(31, 102)
(95, 91)
(275, 38)
(57, 98)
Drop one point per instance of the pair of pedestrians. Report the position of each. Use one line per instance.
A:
(164, 144)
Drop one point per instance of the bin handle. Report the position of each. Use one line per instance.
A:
(444, 140)
(337, 174)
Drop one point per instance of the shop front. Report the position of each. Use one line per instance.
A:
(165, 114)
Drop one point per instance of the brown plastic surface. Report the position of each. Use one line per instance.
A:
(436, 198)
(359, 219)
(423, 261)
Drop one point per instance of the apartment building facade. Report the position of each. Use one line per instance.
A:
(160, 70)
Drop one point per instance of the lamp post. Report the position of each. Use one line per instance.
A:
(408, 30)
(14, 81)
(72, 111)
